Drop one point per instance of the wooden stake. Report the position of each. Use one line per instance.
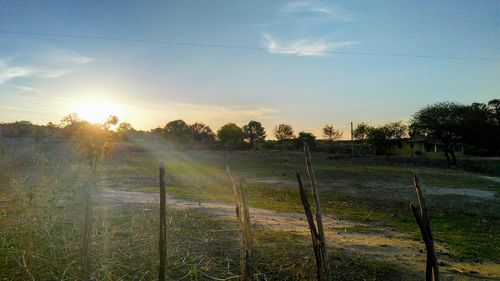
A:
(423, 221)
(86, 243)
(245, 233)
(162, 247)
(312, 227)
(319, 220)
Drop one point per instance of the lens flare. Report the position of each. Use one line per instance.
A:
(97, 110)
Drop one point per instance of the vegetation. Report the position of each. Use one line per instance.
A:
(330, 133)
(41, 217)
(451, 123)
(284, 132)
(381, 137)
(254, 133)
(447, 124)
(308, 138)
(230, 135)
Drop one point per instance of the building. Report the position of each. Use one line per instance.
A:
(422, 147)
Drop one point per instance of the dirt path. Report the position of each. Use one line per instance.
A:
(378, 242)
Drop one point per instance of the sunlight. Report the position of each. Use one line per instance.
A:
(97, 110)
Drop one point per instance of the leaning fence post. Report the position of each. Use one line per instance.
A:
(319, 219)
(423, 221)
(312, 228)
(245, 232)
(162, 250)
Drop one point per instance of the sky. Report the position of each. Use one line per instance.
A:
(304, 63)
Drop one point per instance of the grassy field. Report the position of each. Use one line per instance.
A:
(41, 214)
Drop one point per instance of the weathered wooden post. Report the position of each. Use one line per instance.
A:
(319, 219)
(245, 232)
(312, 228)
(162, 250)
(423, 221)
(86, 242)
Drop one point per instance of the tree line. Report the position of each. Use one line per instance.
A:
(476, 125)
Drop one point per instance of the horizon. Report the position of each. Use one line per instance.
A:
(304, 63)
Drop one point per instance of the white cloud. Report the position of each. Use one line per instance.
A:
(318, 9)
(26, 89)
(303, 47)
(67, 56)
(9, 72)
(55, 63)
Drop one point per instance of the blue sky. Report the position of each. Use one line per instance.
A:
(294, 76)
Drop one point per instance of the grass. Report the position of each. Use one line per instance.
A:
(41, 214)
(462, 224)
(44, 246)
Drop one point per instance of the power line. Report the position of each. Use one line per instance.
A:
(228, 46)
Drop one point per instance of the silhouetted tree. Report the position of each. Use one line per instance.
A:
(157, 131)
(481, 127)
(70, 124)
(381, 137)
(178, 132)
(284, 132)
(361, 131)
(94, 140)
(330, 133)
(124, 131)
(19, 129)
(308, 138)
(442, 121)
(254, 133)
(230, 135)
(202, 133)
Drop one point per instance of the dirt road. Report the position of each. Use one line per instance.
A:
(378, 242)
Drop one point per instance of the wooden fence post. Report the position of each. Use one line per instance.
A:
(423, 221)
(86, 242)
(312, 227)
(163, 225)
(319, 220)
(245, 232)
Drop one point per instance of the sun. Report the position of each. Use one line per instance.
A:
(97, 110)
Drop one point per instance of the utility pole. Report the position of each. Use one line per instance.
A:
(352, 140)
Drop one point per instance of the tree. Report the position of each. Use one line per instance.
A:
(70, 125)
(124, 130)
(124, 127)
(230, 135)
(254, 133)
(179, 132)
(442, 121)
(70, 119)
(481, 126)
(361, 131)
(111, 121)
(19, 129)
(94, 140)
(283, 132)
(381, 137)
(94, 143)
(308, 138)
(202, 133)
(495, 106)
(330, 133)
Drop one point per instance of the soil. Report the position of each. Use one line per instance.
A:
(485, 194)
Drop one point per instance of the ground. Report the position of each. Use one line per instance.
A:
(368, 225)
